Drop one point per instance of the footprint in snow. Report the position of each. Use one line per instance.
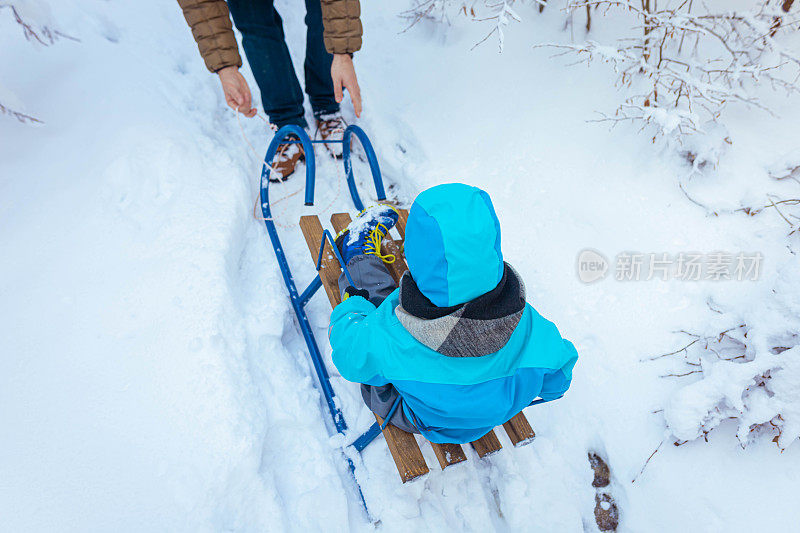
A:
(606, 512)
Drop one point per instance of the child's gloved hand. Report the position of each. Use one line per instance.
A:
(352, 291)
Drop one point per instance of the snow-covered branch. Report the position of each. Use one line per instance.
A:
(740, 374)
(33, 17)
(501, 17)
(684, 65)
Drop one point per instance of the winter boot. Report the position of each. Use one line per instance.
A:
(330, 128)
(365, 234)
(286, 159)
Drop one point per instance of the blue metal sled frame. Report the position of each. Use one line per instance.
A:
(299, 300)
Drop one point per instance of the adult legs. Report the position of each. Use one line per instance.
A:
(265, 47)
(317, 66)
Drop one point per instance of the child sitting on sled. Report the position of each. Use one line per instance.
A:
(455, 346)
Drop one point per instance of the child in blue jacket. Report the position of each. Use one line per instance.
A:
(455, 346)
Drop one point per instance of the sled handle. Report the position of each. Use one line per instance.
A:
(308, 147)
(353, 130)
(277, 140)
(327, 237)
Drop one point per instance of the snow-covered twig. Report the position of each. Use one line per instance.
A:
(33, 17)
(503, 14)
(40, 31)
(430, 9)
(773, 203)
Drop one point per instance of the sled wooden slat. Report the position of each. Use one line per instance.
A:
(401, 223)
(340, 221)
(405, 452)
(398, 268)
(329, 273)
(519, 430)
(447, 454)
(487, 445)
(403, 446)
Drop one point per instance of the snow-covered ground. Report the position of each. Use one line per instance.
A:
(152, 377)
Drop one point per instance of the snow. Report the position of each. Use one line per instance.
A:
(153, 377)
(10, 99)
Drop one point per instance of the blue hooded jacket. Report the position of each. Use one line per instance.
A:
(457, 339)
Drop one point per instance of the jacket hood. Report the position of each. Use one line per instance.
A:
(452, 244)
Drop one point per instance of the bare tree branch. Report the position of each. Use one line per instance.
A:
(22, 117)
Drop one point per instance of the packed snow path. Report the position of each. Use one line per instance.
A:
(152, 376)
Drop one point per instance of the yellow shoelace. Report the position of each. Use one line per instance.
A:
(373, 245)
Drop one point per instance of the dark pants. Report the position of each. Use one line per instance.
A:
(369, 273)
(265, 47)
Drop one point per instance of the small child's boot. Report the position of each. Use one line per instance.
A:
(364, 235)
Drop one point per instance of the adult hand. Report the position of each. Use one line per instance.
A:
(343, 74)
(237, 92)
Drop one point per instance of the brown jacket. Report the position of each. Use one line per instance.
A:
(212, 29)
(342, 20)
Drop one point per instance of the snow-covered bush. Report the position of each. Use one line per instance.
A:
(744, 375)
(682, 61)
(34, 20)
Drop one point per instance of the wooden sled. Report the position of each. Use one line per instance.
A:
(402, 445)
